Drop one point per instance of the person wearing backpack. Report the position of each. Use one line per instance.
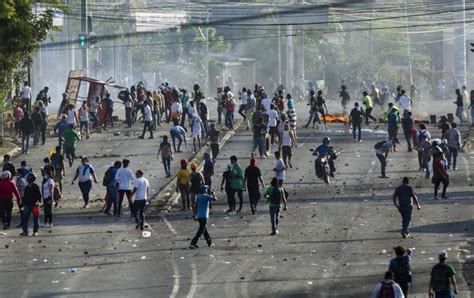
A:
(387, 288)
(400, 266)
(382, 149)
(442, 277)
(111, 185)
(57, 161)
(275, 195)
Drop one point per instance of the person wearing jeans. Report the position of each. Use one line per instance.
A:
(26, 128)
(141, 190)
(124, 178)
(274, 206)
(166, 155)
(382, 154)
(8, 189)
(112, 188)
(148, 117)
(202, 214)
(454, 144)
(47, 187)
(30, 202)
(85, 172)
(403, 199)
(178, 133)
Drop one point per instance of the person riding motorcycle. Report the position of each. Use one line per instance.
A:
(325, 154)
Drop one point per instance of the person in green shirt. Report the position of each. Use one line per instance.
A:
(70, 138)
(275, 195)
(237, 181)
(368, 107)
(442, 282)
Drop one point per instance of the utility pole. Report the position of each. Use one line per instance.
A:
(408, 47)
(84, 30)
(279, 55)
(460, 42)
(289, 58)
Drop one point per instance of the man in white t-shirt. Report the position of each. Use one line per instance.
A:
(279, 168)
(26, 97)
(273, 118)
(405, 101)
(124, 179)
(266, 103)
(141, 189)
(148, 117)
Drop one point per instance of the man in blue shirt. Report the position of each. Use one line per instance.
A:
(111, 185)
(202, 214)
(179, 133)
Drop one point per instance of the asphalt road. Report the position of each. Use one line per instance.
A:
(334, 240)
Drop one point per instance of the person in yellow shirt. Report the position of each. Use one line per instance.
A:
(368, 107)
(182, 184)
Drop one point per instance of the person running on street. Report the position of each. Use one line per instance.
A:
(226, 184)
(197, 128)
(148, 118)
(47, 194)
(182, 184)
(287, 141)
(273, 120)
(57, 161)
(259, 134)
(70, 138)
(356, 118)
(243, 103)
(166, 155)
(178, 133)
(367, 102)
(252, 177)
(85, 172)
(454, 144)
(250, 109)
(321, 108)
(382, 154)
(275, 195)
(407, 125)
(7, 191)
(30, 205)
(400, 266)
(111, 187)
(141, 190)
(313, 109)
(387, 288)
(440, 174)
(124, 179)
(27, 128)
(403, 199)
(213, 138)
(202, 215)
(237, 182)
(443, 283)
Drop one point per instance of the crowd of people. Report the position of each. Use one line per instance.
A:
(269, 118)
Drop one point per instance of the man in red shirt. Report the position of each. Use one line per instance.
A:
(7, 191)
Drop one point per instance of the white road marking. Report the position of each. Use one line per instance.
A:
(176, 280)
(192, 289)
(468, 172)
(167, 223)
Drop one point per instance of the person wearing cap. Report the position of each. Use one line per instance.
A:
(387, 286)
(7, 191)
(382, 155)
(85, 172)
(30, 204)
(403, 199)
(443, 283)
(202, 214)
(182, 184)
(140, 190)
(400, 266)
(252, 177)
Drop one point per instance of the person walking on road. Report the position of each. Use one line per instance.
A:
(197, 128)
(70, 138)
(202, 215)
(57, 161)
(7, 191)
(440, 174)
(313, 109)
(393, 120)
(407, 125)
(226, 184)
(382, 149)
(426, 151)
(459, 106)
(250, 109)
(195, 180)
(287, 141)
(252, 177)
(454, 144)
(148, 118)
(30, 205)
(111, 187)
(208, 170)
(85, 172)
(166, 155)
(47, 194)
(356, 118)
(178, 133)
(367, 102)
(273, 119)
(182, 184)
(237, 182)
(140, 190)
(213, 138)
(443, 283)
(403, 199)
(27, 127)
(84, 120)
(387, 288)
(400, 266)
(259, 134)
(124, 178)
(275, 195)
(421, 133)
(279, 169)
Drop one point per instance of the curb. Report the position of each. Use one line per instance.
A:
(164, 199)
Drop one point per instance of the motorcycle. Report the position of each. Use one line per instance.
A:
(322, 168)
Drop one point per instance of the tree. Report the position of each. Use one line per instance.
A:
(21, 31)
